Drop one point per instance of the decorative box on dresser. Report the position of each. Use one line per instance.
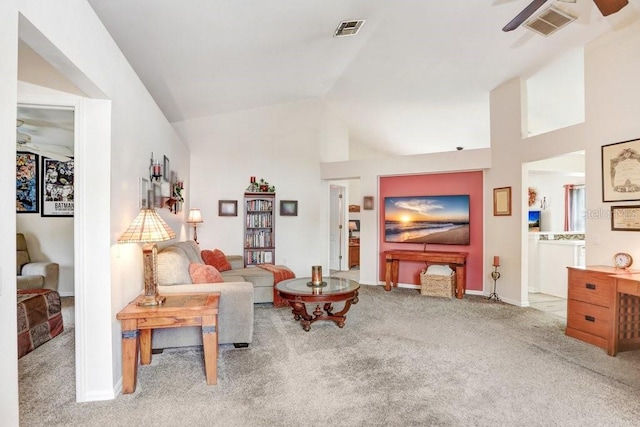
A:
(259, 228)
(594, 311)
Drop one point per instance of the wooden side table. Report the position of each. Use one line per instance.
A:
(196, 309)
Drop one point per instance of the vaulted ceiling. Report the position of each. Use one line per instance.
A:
(416, 79)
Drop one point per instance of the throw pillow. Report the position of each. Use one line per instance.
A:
(216, 258)
(202, 273)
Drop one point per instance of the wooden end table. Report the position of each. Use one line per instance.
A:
(188, 309)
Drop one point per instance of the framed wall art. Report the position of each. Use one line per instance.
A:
(502, 201)
(27, 200)
(57, 187)
(288, 208)
(625, 218)
(166, 171)
(143, 193)
(621, 171)
(367, 203)
(157, 195)
(227, 208)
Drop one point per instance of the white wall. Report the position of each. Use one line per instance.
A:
(69, 36)
(282, 144)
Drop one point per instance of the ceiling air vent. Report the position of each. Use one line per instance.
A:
(348, 28)
(549, 21)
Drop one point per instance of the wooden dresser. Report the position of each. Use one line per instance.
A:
(354, 252)
(593, 307)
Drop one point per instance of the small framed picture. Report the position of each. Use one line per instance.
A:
(227, 208)
(157, 195)
(143, 193)
(288, 208)
(625, 218)
(502, 201)
(166, 170)
(367, 203)
(621, 171)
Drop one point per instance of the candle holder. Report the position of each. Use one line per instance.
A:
(155, 170)
(495, 275)
(316, 277)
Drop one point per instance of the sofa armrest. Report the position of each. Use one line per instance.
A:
(235, 310)
(236, 261)
(49, 270)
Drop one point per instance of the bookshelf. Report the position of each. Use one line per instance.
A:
(259, 228)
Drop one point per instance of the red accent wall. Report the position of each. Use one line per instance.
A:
(470, 183)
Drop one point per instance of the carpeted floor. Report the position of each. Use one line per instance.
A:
(401, 359)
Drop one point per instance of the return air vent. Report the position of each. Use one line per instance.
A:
(348, 28)
(549, 21)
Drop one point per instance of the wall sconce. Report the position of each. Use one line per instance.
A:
(195, 218)
(155, 170)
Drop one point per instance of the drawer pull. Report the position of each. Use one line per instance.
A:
(589, 318)
(591, 286)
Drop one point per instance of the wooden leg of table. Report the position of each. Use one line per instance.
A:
(395, 271)
(130, 347)
(210, 346)
(387, 276)
(145, 346)
(461, 281)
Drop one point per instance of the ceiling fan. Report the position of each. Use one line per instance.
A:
(23, 143)
(607, 7)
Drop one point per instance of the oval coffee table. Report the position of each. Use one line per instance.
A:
(298, 293)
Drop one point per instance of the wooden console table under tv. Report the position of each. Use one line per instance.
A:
(455, 260)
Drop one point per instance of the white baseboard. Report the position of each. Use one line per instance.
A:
(66, 294)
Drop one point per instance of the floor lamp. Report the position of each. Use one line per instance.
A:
(148, 228)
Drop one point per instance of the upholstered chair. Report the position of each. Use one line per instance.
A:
(34, 274)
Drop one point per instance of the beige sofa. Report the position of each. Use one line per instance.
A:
(32, 275)
(235, 313)
(262, 280)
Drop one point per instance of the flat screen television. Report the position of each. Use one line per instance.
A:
(534, 220)
(438, 220)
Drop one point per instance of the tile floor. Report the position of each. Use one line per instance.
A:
(549, 304)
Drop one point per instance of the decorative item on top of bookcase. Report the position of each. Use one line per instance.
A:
(260, 186)
(259, 228)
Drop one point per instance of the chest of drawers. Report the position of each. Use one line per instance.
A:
(593, 306)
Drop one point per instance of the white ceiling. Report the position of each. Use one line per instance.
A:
(416, 79)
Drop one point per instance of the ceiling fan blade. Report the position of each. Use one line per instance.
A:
(607, 7)
(524, 15)
(46, 153)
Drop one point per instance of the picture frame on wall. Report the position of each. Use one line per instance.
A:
(27, 180)
(227, 208)
(157, 195)
(288, 208)
(143, 193)
(57, 188)
(621, 171)
(625, 218)
(166, 169)
(502, 201)
(367, 203)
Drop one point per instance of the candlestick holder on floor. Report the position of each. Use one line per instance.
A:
(495, 275)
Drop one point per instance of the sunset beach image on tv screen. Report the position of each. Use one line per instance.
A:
(442, 220)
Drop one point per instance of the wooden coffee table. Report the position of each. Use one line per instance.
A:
(197, 309)
(298, 293)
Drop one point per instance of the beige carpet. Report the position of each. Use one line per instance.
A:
(401, 359)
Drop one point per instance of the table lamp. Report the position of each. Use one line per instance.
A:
(195, 218)
(352, 227)
(148, 228)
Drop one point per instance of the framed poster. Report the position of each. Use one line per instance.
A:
(27, 182)
(502, 201)
(288, 208)
(621, 171)
(227, 208)
(57, 187)
(143, 195)
(625, 218)
(166, 169)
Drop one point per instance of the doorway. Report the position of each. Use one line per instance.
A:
(549, 246)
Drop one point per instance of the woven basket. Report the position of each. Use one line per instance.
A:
(436, 285)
